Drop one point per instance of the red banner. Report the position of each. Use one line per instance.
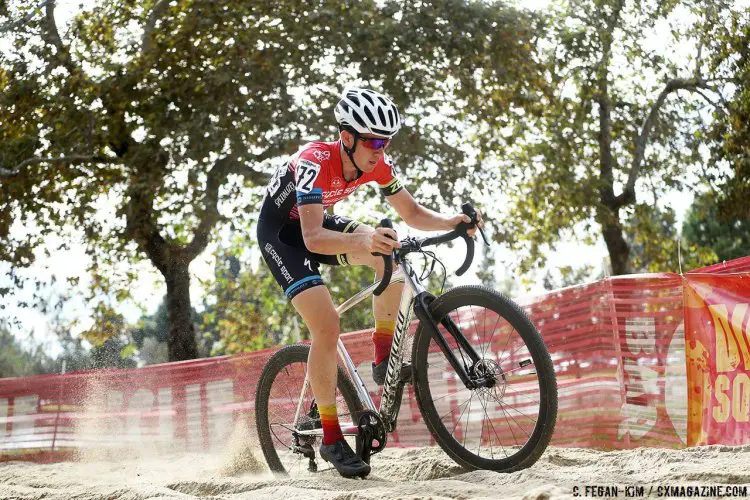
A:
(718, 358)
(618, 346)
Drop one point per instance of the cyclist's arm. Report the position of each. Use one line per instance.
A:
(418, 216)
(324, 241)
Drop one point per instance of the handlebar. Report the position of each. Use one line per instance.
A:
(388, 261)
(413, 244)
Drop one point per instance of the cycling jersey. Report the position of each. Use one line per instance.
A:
(315, 175)
(312, 175)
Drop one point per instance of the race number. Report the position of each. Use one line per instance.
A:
(307, 172)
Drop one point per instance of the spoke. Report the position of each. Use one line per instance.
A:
(481, 431)
(445, 396)
(505, 372)
(451, 411)
(474, 320)
(522, 344)
(503, 406)
(497, 322)
(521, 396)
(515, 439)
(484, 327)
(459, 420)
(506, 405)
(495, 432)
(468, 418)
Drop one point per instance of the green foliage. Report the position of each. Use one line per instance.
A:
(245, 309)
(619, 119)
(565, 276)
(703, 229)
(168, 111)
(17, 361)
(731, 129)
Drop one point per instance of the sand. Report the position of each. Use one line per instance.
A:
(397, 473)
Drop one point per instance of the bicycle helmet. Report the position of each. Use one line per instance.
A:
(367, 112)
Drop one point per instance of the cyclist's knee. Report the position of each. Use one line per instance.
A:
(327, 329)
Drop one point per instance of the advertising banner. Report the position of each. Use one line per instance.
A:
(717, 335)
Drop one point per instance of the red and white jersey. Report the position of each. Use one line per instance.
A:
(314, 175)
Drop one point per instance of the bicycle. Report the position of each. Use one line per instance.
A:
(288, 423)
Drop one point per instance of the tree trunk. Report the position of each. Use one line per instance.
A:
(619, 252)
(181, 343)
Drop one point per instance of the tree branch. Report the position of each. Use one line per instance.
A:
(53, 37)
(692, 84)
(217, 176)
(140, 224)
(159, 8)
(209, 214)
(62, 159)
(606, 160)
(11, 25)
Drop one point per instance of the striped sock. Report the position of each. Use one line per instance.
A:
(383, 338)
(330, 420)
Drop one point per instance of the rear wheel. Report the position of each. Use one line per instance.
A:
(278, 395)
(503, 427)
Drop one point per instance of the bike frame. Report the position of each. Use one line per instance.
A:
(390, 401)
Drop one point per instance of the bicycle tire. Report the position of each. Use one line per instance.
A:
(281, 359)
(425, 351)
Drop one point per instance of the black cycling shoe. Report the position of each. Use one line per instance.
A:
(343, 458)
(379, 371)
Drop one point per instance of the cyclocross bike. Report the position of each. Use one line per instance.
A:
(481, 373)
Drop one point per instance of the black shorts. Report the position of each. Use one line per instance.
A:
(292, 264)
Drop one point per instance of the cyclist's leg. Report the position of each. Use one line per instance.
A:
(316, 308)
(385, 310)
(296, 270)
(385, 307)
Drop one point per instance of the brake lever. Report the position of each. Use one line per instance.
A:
(468, 209)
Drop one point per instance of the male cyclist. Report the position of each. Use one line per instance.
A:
(296, 234)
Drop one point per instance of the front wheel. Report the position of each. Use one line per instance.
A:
(506, 424)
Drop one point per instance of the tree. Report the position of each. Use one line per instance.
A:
(704, 229)
(150, 335)
(731, 130)
(566, 276)
(17, 361)
(168, 110)
(622, 115)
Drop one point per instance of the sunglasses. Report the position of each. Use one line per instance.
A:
(372, 143)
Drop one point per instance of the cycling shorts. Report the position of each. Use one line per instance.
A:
(292, 264)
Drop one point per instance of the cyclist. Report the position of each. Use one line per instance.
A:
(296, 234)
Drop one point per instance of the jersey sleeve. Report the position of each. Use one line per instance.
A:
(387, 181)
(310, 177)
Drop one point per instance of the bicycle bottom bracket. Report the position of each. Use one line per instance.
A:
(371, 435)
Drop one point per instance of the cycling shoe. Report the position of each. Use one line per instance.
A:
(379, 371)
(343, 458)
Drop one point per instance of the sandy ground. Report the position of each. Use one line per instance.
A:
(397, 473)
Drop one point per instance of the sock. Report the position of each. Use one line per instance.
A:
(330, 420)
(383, 338)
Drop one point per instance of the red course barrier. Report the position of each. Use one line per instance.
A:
(618, 346)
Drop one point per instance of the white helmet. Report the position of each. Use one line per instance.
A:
(368, 112)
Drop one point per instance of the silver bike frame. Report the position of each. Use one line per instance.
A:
(388, 401)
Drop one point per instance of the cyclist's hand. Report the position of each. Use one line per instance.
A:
(458, 218)
(383, 240)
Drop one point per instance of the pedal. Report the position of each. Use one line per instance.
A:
(371, 436)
